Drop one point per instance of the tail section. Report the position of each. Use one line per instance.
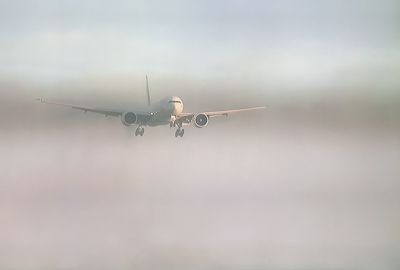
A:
(148, 91)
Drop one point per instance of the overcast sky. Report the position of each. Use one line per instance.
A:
(305, 44)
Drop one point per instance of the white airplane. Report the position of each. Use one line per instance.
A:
(168, 111)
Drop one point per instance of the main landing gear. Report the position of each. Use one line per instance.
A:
(179, 132)
(139, 131)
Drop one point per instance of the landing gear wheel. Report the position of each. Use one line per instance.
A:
(139, 131)
(179, 132)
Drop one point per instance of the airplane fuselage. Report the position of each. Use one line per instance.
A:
(166, 111)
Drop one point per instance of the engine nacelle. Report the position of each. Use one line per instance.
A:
(129, 118)
(200, 120)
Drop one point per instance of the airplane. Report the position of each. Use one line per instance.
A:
(168, 111)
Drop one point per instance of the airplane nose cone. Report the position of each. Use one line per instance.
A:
(178, 108)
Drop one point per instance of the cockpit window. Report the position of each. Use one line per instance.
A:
(174, 101)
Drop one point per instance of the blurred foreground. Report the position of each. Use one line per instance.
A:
(311, 185)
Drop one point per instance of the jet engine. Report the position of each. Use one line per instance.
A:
(200, 120)
(129, 118)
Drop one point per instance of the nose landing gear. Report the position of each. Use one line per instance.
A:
(139, 131)
(179, 132)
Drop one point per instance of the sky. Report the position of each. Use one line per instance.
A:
(287, 44)
(311, 183)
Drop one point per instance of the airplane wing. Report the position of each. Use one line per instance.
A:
(225, 113)
(105, 112)
(186, 118)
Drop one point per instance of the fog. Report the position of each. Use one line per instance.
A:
(310, 183)
(295, 187)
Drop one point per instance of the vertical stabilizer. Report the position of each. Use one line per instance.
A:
(148, 91)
